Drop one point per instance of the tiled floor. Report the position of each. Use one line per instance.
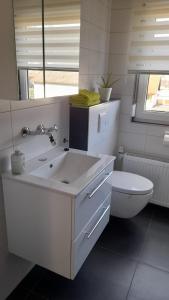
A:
(130, 261)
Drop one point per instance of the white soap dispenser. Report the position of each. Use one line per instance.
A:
(18, 162)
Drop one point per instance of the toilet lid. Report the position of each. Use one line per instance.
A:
(129, 183)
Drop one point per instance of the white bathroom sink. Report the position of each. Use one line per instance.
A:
(67, 167)
(63, 171)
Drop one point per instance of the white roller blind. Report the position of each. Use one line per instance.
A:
(28, 33)
(149, 38)
(62, 33)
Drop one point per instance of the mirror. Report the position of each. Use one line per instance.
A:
(47, 38)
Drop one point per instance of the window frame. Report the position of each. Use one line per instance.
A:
(139, 95)
(23, 80)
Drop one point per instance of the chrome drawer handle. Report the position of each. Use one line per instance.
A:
(99, 186)
(89, 234)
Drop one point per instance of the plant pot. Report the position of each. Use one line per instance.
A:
(105, 94)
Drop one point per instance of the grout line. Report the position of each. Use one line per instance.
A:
(11, 125)
(132, 280)
(129, 259)
(118, 254)
(139, 260)
(5, 111)
(12, 130)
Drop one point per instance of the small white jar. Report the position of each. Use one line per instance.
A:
(18, 162)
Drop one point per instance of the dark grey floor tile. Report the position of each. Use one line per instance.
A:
(94, 290)
(103, 276)
(148, 211)
(18, 294)
(161, 213)
(104, 264)
(134, 298)
(149, 284)
(125, 236)
(156, 246)
(33, 277)
(33, 296)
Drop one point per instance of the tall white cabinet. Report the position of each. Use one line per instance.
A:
(95, 128)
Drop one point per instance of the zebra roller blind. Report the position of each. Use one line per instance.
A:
(60, 20)
(149, 36)
(28, 33)
(62, 33)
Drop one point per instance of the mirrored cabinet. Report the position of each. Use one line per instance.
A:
(47, 36)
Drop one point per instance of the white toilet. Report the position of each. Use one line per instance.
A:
(130, 194)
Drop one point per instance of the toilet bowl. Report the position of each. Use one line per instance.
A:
(130, 194)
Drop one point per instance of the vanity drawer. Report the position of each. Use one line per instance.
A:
(91, 198)
(89, 236)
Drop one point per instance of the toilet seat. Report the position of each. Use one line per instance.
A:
(129, 183)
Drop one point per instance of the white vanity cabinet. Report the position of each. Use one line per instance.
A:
(54, 229)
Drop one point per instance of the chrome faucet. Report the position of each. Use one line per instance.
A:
(40, 130)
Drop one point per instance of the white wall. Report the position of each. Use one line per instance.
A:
(8, 78)
(135, 137)
(94, 46)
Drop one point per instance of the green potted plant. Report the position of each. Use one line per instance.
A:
(105, 88)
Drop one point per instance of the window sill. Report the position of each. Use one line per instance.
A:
(149, 122)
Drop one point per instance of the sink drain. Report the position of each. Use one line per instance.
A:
(65, 181)
(43, 159)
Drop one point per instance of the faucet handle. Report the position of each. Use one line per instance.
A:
(41, 128)
(25, 131)
(53, 128)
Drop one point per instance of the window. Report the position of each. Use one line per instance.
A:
(149, 60)
(152, 98)
(47, 34)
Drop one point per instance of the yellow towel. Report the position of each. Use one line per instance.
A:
(85, 98)
(90, 95)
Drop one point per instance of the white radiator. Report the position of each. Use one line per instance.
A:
(155, 170)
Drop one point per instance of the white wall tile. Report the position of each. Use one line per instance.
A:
(132, 142)
(5, 132)
(4, 105)
(126, 105)
(118, 64)
(84, 61)
(156, 130)
(48, 115)
(93, 82)
(97, 64)
(124, 86)
(19, 105)
(131, 127)
(120, 20)
(84, 34)
(84, 82)
(121, 4)
(95, 37)
(84, 4)
(5, 163)
(119, 43)
(154, 145)
(101, 15)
